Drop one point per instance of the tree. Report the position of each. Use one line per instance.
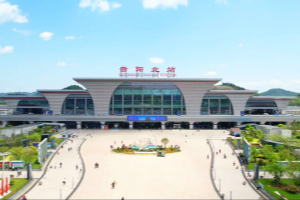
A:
(4, 149)
(35, 137)
(73, 87)
(48, 128)
(165, 141)
(294, 173)
(285, 155)
(269, 154)
(259, 134)
(277, 170)
(295, 125)
(27, 154)
(16, 152)
(254, 153)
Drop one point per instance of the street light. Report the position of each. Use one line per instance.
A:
(3, 154)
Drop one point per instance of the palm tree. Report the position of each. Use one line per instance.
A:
(165, 141)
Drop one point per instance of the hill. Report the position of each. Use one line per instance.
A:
(278, 92)
(227, 86)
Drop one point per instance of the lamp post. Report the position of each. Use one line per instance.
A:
(3, 154)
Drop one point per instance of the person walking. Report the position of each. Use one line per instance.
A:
(60, 165)
(113, 185)
(76, 167)
(115, 142)
(219, 150)
(207, 156)
(64, 181)
(121, 142)
(216, 153)
(233, 163)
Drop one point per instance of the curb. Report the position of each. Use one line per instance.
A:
(211, 170)
(83, 172)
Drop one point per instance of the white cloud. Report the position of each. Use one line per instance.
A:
(241, 44)
(6, 49)
(46, 35)
(102, 5)
(61, 64)
(221, 1)
(157, 60)
(116, 5)
(23, 32)
(70, 38)
(11, 13)
(210, 73)
(152, 4)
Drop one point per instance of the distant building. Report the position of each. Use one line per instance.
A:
(17, 130)
(274, 130)
(293, 110)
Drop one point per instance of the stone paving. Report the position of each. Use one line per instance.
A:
(52, 186)
(228, 176)
(184, 175)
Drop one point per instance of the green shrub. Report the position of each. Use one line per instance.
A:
(292, 189)
(298, 136)
(261, 163)
(12, 182)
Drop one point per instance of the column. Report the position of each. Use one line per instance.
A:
(130, 125)
(163, 125)
(216, 125)
(238, 123)
(78, 125)
(191, 125)
(4, 124)
(102, 125)
(31, 122)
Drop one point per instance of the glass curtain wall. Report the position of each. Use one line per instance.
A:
(78, 104)
(216, 105)
(147, 99)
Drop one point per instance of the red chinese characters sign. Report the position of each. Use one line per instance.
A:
(155, 72)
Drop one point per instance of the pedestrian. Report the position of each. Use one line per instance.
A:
(224, 156)
(185, 141)
(60, 165)
(223, 131)
(219, 150)
(115, 142)
(76, 167)
(233, 163)
(121, 142)
(64, 181)
(113, 185)
(207, 156)
(122, 198)
(216, 153)
(24, 197)
(248, 173)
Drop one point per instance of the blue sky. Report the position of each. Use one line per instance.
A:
(252, 43)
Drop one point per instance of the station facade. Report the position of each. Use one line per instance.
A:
(116, 98)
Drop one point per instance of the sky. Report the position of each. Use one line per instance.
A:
(251, 43)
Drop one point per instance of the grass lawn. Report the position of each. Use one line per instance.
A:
(18, 185)
(234, 141)
(251, 166)
(272, 190)
(58, 141)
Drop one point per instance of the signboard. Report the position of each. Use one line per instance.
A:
(42, 150)
(17, 164)
(50, 112)
(242, 113)
(155, 72)
(6, 164)
(146, 118)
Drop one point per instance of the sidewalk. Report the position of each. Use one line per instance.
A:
(227, 176)
(52, 186)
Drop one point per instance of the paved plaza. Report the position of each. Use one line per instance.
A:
(183, 175)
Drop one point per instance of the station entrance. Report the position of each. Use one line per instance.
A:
(147, 125)
(91, 125)
(203, 125)
(117, 125)
(177, 125)
(226, 125)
